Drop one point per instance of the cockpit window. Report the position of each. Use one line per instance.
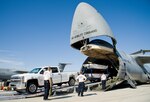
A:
(35, 70)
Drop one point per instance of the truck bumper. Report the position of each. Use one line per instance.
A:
(18, 85)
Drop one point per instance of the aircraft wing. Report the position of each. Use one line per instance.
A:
(142, 59)
(20, 72)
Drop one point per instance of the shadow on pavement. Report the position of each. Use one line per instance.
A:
(91, 94)
(60, 97)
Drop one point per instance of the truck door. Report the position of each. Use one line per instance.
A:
(56, 76)
(41, 78)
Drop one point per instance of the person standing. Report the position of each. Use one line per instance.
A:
(51, 83)
(103, 80)
(81, 79)
(47, 76)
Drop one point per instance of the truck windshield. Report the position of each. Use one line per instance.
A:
(35, 70)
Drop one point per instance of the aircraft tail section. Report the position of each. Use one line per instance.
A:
(62, 66)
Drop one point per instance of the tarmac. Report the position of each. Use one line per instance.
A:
(140, 94)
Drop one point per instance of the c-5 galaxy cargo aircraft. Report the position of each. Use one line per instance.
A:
(103, 57)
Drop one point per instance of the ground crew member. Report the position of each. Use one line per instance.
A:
(103, 80)
(47, 76)
(81, 79)
(51, 83)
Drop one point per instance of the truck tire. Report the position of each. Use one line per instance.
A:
(71, 82)
(31, 87)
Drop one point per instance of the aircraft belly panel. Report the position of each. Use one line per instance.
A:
(136, 73)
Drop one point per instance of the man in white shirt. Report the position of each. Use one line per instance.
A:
(51, 83)
(47, 75)
(103, 80)
(81, 79)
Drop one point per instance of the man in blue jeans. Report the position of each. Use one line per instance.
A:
(47, 75)
(81, 79)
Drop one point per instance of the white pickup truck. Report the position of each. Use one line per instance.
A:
(29, 82)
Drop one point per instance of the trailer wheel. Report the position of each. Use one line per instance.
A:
(32, 87)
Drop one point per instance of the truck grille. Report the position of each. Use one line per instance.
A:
(15, 79)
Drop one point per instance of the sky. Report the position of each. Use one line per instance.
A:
(36, 33)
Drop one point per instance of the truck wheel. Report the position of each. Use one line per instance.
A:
(32, 87)
(71, 82)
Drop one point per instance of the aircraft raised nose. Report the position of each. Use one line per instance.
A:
(87, 25)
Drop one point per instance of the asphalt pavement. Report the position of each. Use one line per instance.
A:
(140, 94)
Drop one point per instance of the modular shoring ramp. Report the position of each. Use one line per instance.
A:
(11, 95)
